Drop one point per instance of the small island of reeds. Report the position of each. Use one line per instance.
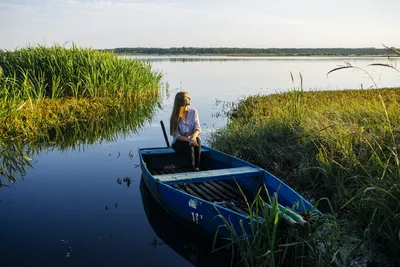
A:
(49, 94)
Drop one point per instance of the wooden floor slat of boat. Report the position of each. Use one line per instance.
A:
(217, 192)
(222, 189)
(215, 197)
(201, 192)
(227, 186)
(187, 189)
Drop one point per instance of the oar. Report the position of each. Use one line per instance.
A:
(292, 218)
(295, 216)
(292, 214)
(288, 219)
(165, 133)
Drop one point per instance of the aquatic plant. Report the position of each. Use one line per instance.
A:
(55, 72)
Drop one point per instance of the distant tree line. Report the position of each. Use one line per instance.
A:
(254, 51)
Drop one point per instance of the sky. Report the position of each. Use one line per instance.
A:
(200, 23)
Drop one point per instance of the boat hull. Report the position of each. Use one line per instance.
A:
(179, 192)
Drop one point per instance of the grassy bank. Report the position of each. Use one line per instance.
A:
(338, 144)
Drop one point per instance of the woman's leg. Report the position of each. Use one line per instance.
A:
(189, 153)
(197, 152)
(183, 149)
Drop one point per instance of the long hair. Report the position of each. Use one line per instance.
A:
(179, 107)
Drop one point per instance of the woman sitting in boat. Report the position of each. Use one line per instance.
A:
(185, 129)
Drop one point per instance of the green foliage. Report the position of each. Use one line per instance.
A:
(55, 72)
(339, 144)
(274, 241)
(53, 96)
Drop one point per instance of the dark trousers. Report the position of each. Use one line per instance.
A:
(189, 153)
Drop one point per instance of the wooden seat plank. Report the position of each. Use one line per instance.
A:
(205, 175)
(165, 150)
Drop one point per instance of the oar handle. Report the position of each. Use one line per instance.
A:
(165, 133)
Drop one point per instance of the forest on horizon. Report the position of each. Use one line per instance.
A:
(232, 51)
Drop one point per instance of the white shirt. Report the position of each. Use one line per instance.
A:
(187, 128)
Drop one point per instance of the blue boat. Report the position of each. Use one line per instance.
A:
(218, 189)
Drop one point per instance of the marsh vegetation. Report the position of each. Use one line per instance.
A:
(342, 145)
(58, 97)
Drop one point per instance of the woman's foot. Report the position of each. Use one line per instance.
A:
(196, 169)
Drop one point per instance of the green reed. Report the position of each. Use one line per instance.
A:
(55, 72)
(272, 241)
(344, 147)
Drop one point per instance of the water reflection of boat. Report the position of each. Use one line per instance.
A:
(192, 244)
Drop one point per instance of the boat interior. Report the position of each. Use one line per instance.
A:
(218, 180)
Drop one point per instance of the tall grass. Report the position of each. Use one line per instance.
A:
(55, 72)
(273, 241)
(342, 146)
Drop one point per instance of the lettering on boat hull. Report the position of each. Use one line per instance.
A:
(196, 217)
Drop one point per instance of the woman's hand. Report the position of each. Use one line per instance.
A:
(193, 142)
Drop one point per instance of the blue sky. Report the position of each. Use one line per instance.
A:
(201, 23)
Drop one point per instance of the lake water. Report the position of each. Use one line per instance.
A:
(72, 210)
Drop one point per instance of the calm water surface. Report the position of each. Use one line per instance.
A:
(70, 209)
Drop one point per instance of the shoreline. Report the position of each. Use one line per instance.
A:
(252, 55)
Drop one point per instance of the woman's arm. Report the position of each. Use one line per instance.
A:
(197, 129)
(195, 134)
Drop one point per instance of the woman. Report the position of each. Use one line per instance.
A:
(185, 129)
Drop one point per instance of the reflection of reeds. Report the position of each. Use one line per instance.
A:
(344, 146)
(39, 72)
(70, 124)
(13, 160)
